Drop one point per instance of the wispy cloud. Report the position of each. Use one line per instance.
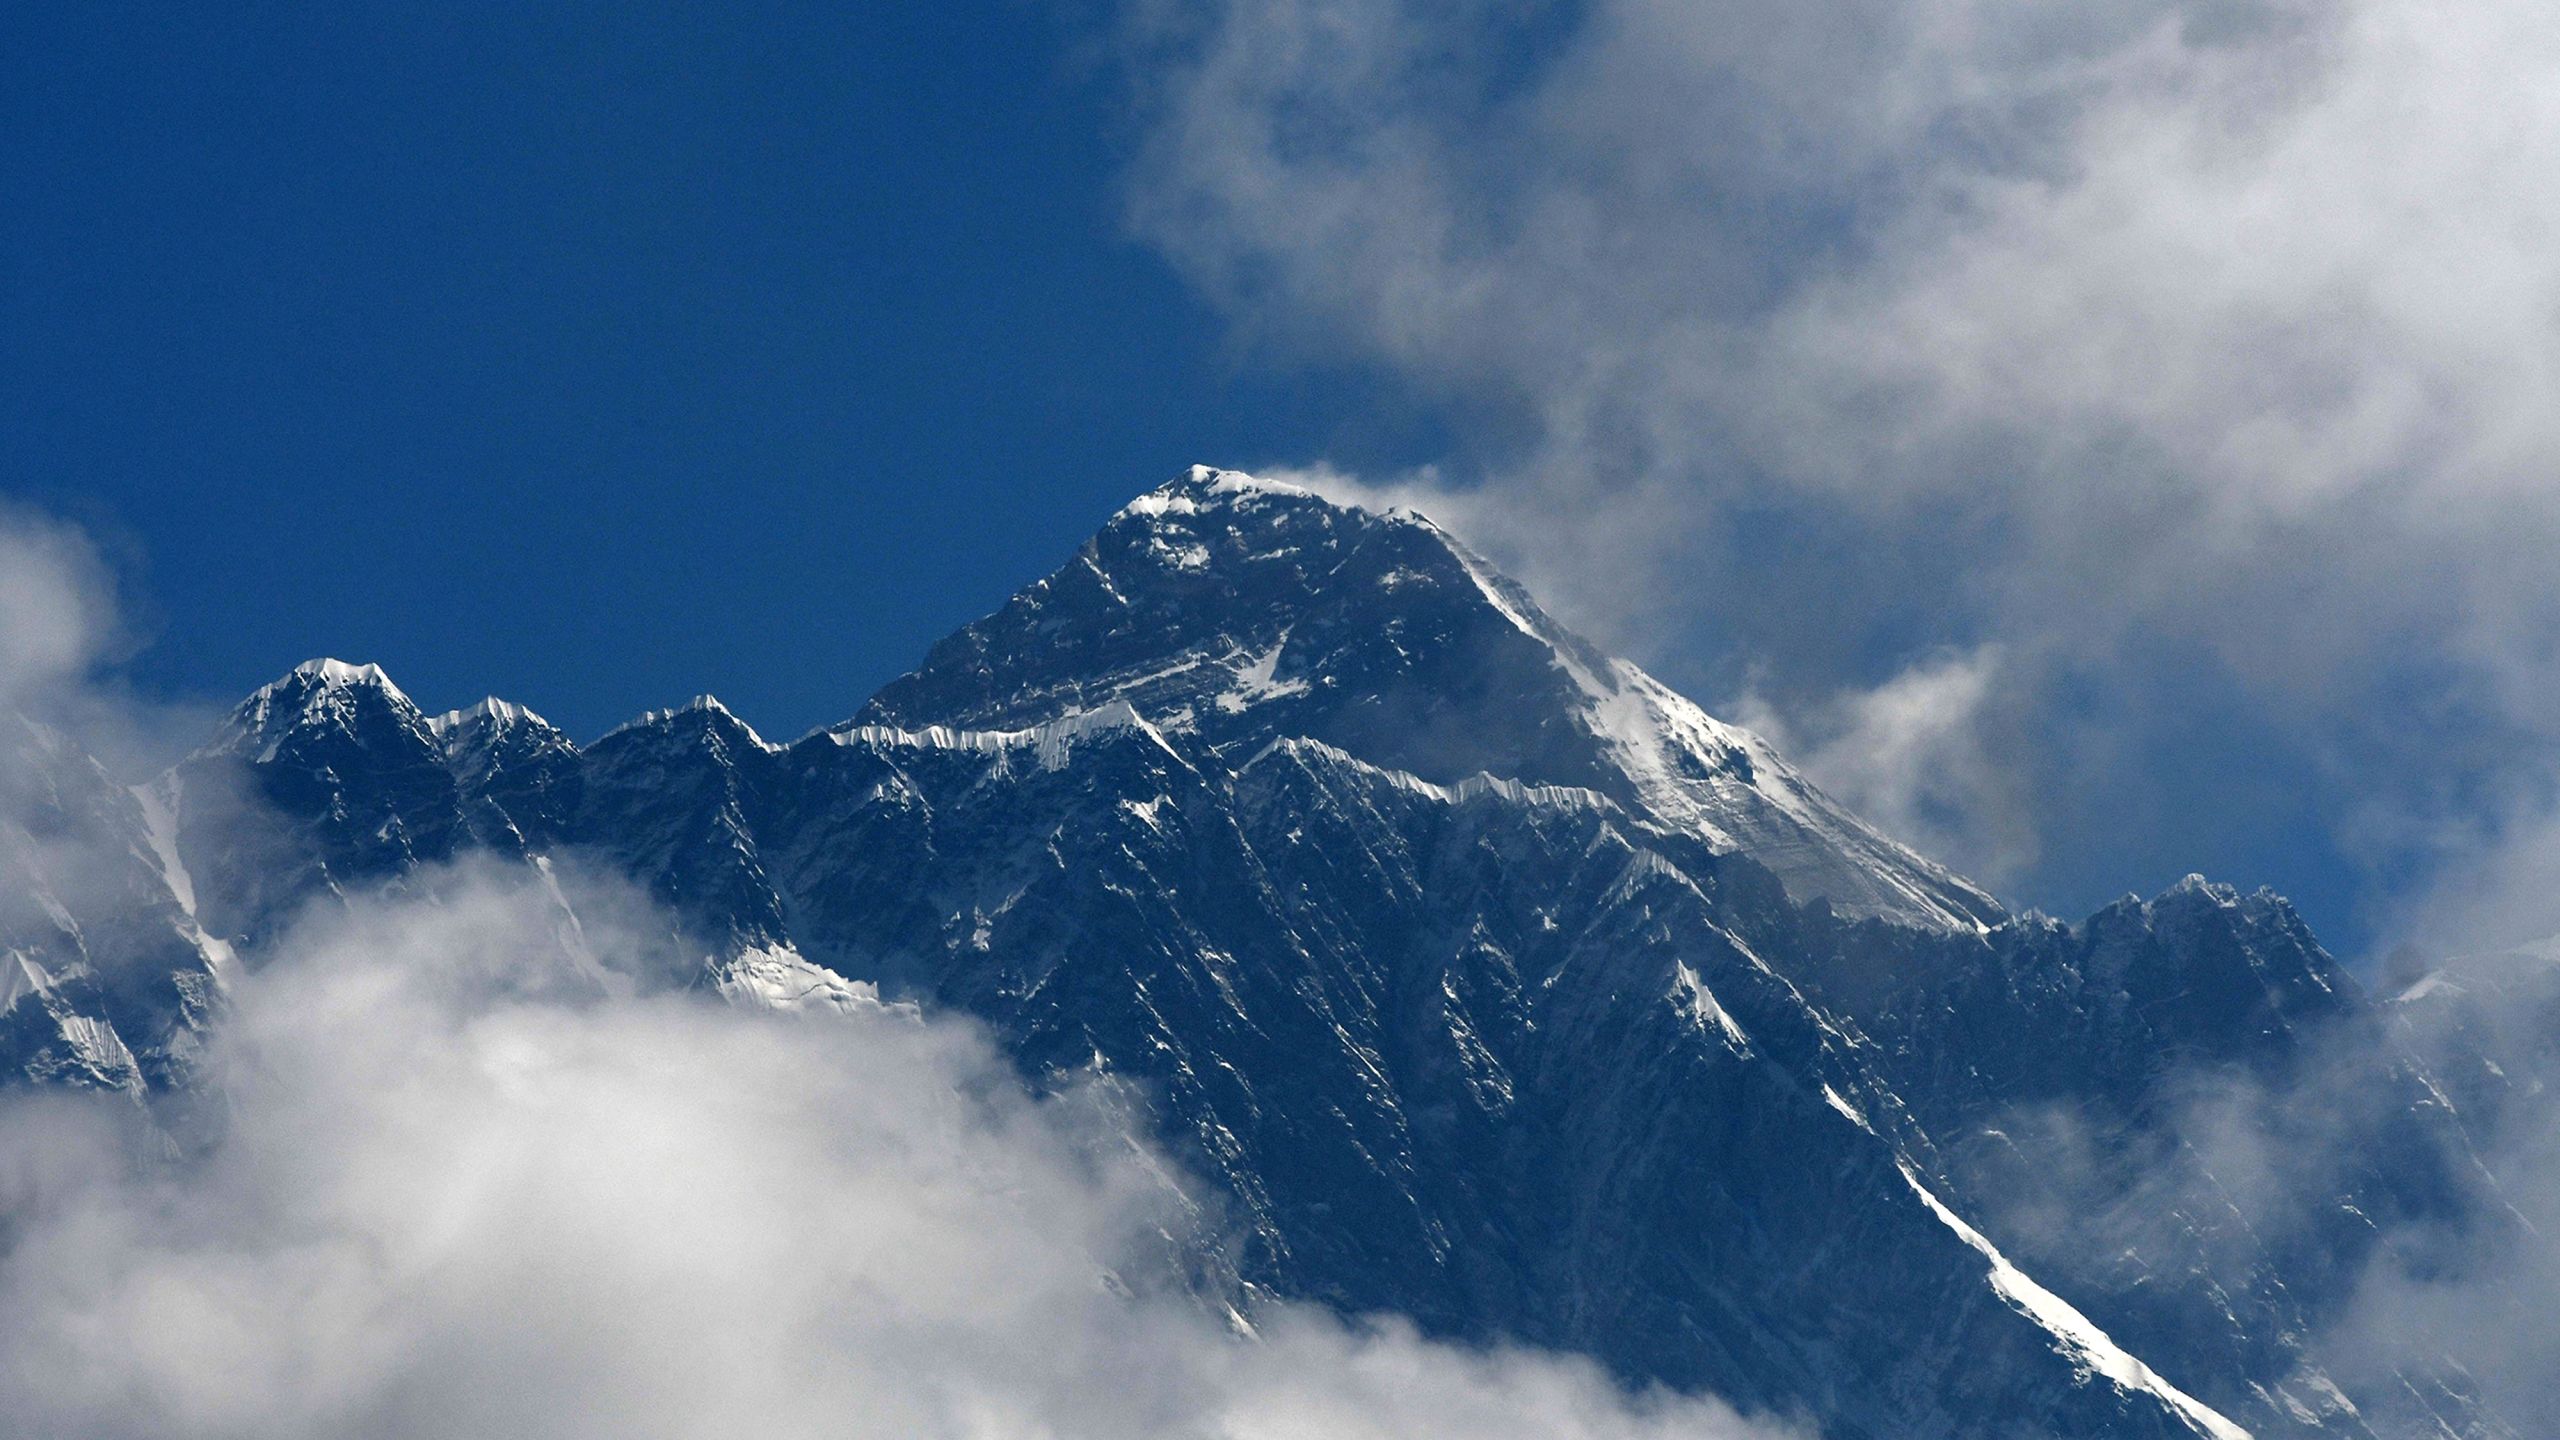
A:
(2480, 1290)
(1914, 755)
(2402, 1178)
(2197, 348)
(58, 603)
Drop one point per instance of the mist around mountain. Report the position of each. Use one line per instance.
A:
(1266, 978)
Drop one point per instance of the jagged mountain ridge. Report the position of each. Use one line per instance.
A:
(1489, 982)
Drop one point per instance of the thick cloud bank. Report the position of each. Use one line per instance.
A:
(471, 1185)
(2181, 372)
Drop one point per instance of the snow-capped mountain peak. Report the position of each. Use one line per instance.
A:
(318, 697)
(492, 712)
(702, 713)
(496, 735)
(1234, 611)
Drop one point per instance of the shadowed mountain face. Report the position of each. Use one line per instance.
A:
(1477, 976)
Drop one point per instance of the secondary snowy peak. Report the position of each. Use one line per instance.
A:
(1231, 612)
(322, 701)
(496, 739)
(490, 714)
(700, 719)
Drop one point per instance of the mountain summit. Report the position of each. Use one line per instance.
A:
(1242, 611)
(1471, 975)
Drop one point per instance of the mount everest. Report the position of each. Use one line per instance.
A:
(1472, 976)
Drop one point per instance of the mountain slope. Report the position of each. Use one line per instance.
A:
(1482, 978)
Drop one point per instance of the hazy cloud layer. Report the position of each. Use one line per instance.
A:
(2199, 355)
(63, 863)
(2483, 1294)
(1915, 755)
(57, 607)
(471, 1185)
(63, 627)
(2456, 1290)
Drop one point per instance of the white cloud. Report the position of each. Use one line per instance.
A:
(2483, 1292)
(61, 632)
(57, 611)
(466, 1188)
(1911, 755)
(2500, 887)
(2168, 345)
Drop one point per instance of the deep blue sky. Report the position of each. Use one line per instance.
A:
(592, 355)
